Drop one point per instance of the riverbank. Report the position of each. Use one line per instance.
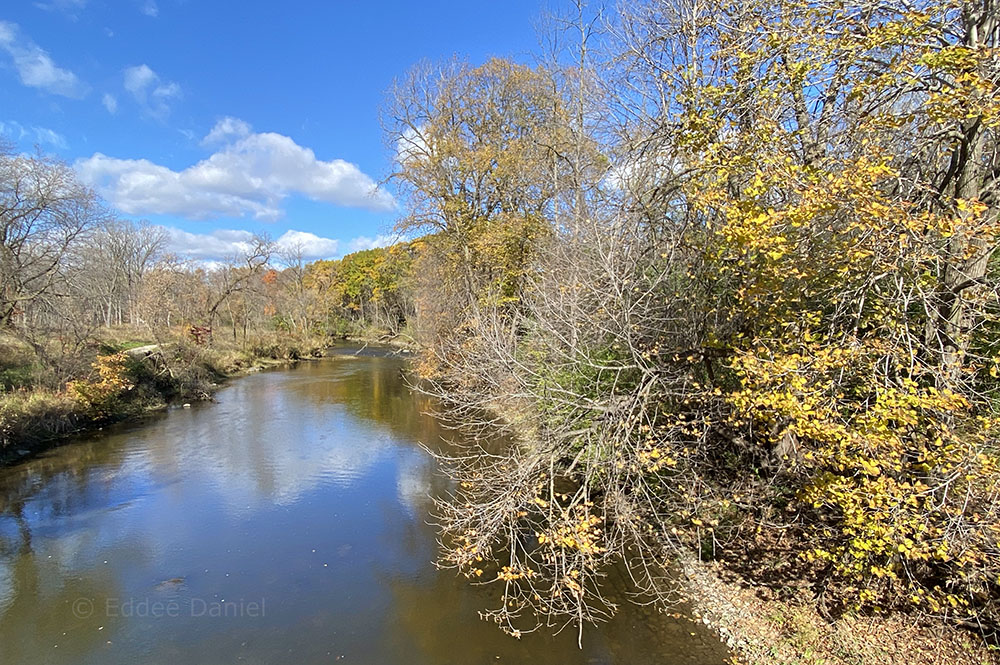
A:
(764, 627)
(783, 623)
(126, 380)
(321, 468)
(381, 337)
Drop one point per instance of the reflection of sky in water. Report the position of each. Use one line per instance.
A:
(263, 464)
(412, 488)
(304, 487)
(6, 586)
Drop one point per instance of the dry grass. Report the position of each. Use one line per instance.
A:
(764, 629)
(29, 416)
(34, 411)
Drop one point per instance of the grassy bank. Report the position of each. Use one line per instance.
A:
(120, 375)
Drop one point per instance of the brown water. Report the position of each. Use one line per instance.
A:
(286, 523)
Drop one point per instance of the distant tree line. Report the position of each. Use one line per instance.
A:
(71, 270)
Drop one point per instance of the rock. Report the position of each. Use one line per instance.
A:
(186, 405)
(143, 351)
(172, 584)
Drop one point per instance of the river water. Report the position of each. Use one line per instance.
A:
(286, 523)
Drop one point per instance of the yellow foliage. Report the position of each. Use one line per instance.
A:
(111, 382)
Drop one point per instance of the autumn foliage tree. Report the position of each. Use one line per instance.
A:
(479, 151)
(844, 211)
(370, 288)
(775, 328)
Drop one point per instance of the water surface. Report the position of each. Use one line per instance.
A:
(286, 523)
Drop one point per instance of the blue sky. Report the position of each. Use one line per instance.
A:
(214, 118)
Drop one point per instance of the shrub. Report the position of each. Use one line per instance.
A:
(103, 393)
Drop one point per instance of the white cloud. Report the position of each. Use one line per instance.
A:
(110, 103)
(70, 8)
(412, 145)
(39, 135)
(218, 245)
(35, 66)
(640, 174)
(138, 79)
(150, 8)
(364, 242)
(152, 93)
(45, 135)
(310, 245)
(252, 175)
(227, 130)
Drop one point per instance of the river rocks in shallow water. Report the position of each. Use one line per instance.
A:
(173, 584)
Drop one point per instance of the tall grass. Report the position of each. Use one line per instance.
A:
(28, 416)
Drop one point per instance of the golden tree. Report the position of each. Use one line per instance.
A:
(783, 315)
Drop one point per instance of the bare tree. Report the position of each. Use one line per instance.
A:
(114, 262)
(43, 212)
(235, 279)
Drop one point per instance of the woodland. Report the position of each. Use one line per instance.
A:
(724, 274)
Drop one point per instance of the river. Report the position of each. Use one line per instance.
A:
(285, 523)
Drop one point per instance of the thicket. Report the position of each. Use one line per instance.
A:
(729, 275)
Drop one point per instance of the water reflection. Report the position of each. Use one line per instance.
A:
(303, 490)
